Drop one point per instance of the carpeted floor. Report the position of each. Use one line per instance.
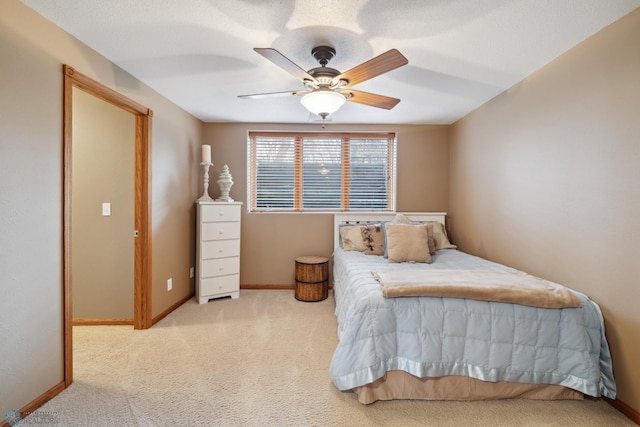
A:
(260, 360)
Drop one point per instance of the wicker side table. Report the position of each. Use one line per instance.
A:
(312, 278)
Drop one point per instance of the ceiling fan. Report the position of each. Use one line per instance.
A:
(327, 89)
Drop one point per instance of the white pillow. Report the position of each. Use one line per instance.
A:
(351, 238)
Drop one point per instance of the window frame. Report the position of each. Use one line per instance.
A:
(298, 140)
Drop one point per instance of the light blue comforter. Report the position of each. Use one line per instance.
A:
(433, 337)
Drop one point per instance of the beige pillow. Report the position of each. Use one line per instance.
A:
(373, 239)
(407, 242)
(440, 236)
(431, 242)
(400, 218)
(352, 238)
(430, 239)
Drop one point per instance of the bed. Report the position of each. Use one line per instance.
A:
(416, 346)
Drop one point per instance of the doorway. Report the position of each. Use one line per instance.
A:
(102, 209)
(142, 203)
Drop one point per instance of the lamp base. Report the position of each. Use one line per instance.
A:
(205, 193)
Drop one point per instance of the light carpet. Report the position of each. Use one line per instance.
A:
(260, 360)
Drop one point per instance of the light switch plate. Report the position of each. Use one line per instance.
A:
(106, 209)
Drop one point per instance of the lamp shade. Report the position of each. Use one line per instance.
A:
(323, 101)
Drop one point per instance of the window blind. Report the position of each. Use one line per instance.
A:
(321, 171)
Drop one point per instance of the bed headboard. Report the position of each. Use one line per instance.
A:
(369, 217)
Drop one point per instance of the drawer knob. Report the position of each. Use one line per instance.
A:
(220, 250)
(221, 213)
(219, 268)
(220, 232)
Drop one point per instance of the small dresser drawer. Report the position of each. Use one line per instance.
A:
(219, 267)
(219, 249)
(219, 285)
(220, 230)
(220, 213)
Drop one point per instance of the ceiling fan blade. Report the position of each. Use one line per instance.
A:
(371, 99)
(273, 94)
(390, 60)
(285, 63)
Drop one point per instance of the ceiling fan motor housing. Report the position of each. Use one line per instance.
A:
(323, 75)
(323, 54)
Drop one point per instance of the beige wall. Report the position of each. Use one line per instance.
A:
(33, 51)
(102, 246)
(546, 178)
(271, 241)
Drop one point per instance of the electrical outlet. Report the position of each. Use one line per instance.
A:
(191, 273)
(169, 284)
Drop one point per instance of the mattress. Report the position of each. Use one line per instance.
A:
(433, 337)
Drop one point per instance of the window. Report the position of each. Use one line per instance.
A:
(295, 172)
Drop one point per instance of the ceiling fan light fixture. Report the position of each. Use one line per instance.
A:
(323, 101)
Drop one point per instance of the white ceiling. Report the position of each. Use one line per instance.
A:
(462, 53)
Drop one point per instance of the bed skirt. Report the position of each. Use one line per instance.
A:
(402, 385)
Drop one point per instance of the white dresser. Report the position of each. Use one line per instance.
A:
(218, 250)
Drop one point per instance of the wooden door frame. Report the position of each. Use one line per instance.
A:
(142, 205)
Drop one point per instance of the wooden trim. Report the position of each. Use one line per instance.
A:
(142, 313)
(103, 92)
(272, 287)
(297, 179)
(253, 170)
(302, 133)
(269, 287)
(142, 246)
(67, 131)
(101, 322)
(391, 172)
(346, 173)
(627, 410)
(168, 311)
(38, 402)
